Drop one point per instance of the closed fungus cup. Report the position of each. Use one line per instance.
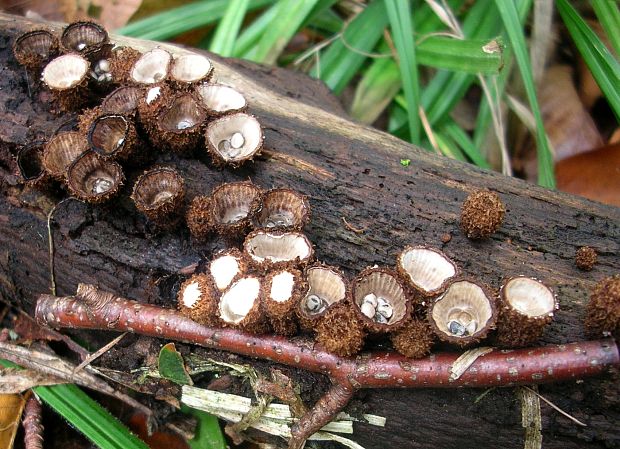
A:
(526, 307)
(482, 214)
(198, 217)
(190, 69)
(267, 250)
(233, 207)
(198, 301)
(282, 292)
(325, 286)
(234, 139)
(30, 166)
(585, 258)
(113, 136)
(158, 193)
(35, 48)
(283, 210)
(464, 314)
(225, 267)
(67, 78)
(178, 126)
(340, 330)
(381, 299)
(603, 309)
(93, 179)
(83, 37)
(414, 340)
(61, 151)
(219, 99)
(151, 68)
(240, 305)
(427, 270)
(123, 100)
(122, 61)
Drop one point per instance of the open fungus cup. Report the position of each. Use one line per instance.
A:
(241, 305)
(158, 193)
(233, 208)
(113, 136)
(198, 300)
(267, 250)
(464, 314)
(35, 48)
(150, 68)
(426, 270)
(219, 99)
(283, 210)
(121, 62)
(30, 166)
(83, 37)
(123, 100)
(282, 292)
(234, 139)
(93, 179)
(225, 267)
(190, 69)
(178, 125)
(324, 286)
(61, 151)
(67, 78)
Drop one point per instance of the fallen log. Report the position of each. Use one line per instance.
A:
(355, 182)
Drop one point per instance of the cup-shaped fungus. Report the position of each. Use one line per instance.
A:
(234, 139)
(152, 67)
(218, 99)
(464, 314)
(381, 299)
(93, 179)
(61, 151)
(178, 125)
(67, 78)
(426, 269)
(271, 250)
(123, 100)
(234, 206)
(603, 309)
(482, 214)
(240, 305)
(414, 340)
(225, 267)
(35, 48)
(325, 286)
(158, 193)
(198, 217)
(83, 37)
(283, 290)
(283, 210)
(30, 165)
(526, 307)
(121, 61)
(190, 69)
(197, 300)
(113, 136)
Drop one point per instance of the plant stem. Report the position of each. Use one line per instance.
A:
(33, 429)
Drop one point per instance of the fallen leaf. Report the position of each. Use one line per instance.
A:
(11, 406)
(114, 14)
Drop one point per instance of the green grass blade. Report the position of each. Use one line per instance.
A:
(608, 15)
(470, 56)
(448, 147)
(452, 130)
(399, 15)
(339, 64)
(208, 431)
(290, 16)
(223, 41)
(604, 67)
(510, 18)
(184, 18)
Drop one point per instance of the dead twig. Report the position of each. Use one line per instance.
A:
(352, 228)
(556, 408)
(95, 355)
(33, 428)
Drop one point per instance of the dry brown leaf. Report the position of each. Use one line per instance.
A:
(594, 175)
(18, 381)
(11, 406)
(114, 14)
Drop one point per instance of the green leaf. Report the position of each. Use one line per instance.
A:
(510, 18)
(471, 56)
(604, 67)
(171, 365)
(223, 41)
(399, 15)
(87, 416)
(452, 130)
(608, 15)
(208, 431)
(184, 18)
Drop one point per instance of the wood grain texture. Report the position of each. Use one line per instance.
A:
(348, 171)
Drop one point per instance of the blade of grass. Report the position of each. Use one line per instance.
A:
(290, 16)
(470, 56)
(208, 431)
(399, 15)
(448, 147)
(510, 18)
(184, 18)
(223, 41)
(608, 15)
(604, 67)
(86, 415)
(452, 130)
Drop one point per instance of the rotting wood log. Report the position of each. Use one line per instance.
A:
(350, 172)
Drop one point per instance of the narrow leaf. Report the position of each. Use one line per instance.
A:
(608, 14)
(471, 56)
(223, 41)
(208, 431)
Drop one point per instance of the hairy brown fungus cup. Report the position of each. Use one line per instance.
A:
(123, 100)
(155, 99)
(464, 314)
(233, 207)
(282, 292)
(340, 330)
(225, 267)
(35, 48)
(324, 287)
(284, 210)
(113, 136)
(603, 309)
(67, 78)
(151, 68)
(414, 340)
(267, 250)
(122, 61)
(585, 258)
(526, 307)
(190, 69)
(93, 179)
(426, 269)
(240, 305)
(158, 193)
(198, 217)
(219, 99)
(197, 300)
(61, 151)
(30, 166)
(178, 125)
(381, 299)
(83, 37)
(234, 139)
(482, 214)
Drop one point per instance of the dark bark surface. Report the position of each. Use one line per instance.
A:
(350, 172)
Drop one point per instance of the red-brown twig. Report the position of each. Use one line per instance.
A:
(33, 429)
(95, 309)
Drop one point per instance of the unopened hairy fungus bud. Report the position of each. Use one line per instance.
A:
(603, 309)
(340, 331)
(198, 218)
(414, 340)
(482, 214)
(586, 258)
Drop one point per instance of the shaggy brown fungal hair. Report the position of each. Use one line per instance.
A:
(482, 214)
